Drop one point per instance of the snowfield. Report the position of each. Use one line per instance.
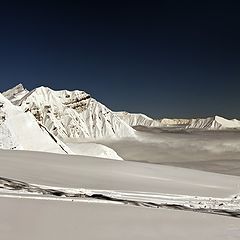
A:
(71, 220)
(60, 178)
(61, 195)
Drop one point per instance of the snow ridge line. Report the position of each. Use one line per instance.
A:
(220, 206)
(53, 137)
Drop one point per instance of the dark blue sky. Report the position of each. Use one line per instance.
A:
(163, 58)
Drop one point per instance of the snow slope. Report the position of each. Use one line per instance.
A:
(214, 123)
(93, 150)
(74, 171)
(20, 130)
(137, 119)
(52, 196)
(44, 219)
(73, 114)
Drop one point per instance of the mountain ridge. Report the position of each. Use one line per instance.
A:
(72, 114)
(209, 123)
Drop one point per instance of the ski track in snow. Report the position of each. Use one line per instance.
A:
(230, 206)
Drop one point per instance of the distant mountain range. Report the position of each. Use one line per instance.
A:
(210, 123)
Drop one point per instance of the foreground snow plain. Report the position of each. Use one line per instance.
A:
(66, 196)
(72, 220)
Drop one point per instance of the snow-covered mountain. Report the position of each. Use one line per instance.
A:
(20, 130)
(210, 123)
(76, 115)
(214, 123)
(70, 114)
(174, 121)
(138, 119)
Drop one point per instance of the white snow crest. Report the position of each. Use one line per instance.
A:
(73, 114)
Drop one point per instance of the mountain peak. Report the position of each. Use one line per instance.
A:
(15, 93)
(18, 88)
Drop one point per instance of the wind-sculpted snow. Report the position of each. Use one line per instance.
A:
(20, 130)
(73, 114)
(222, 206)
